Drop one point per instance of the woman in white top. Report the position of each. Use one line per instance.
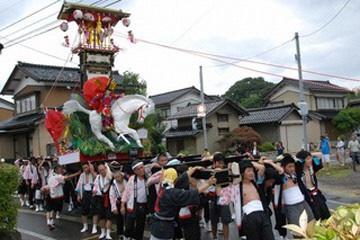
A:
(340, 151)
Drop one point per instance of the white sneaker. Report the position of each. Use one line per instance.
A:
(102, 235)
(220, 228)
(94, 230)
(208, 226)
(41, 208)
(37, 209)
(27, 204)
(108, 237)
(57, 215)
(69, 208)
(84, 229)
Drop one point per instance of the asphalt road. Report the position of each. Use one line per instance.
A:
(32, 225)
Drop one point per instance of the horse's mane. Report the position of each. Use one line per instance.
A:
(138, 96)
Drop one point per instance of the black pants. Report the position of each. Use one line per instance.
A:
(135, 222)
(257, 226)
(355, 159)
(319, 207)
(69, 192)
(119, 224)
(204, 201)
(30, 192)
(191, 228)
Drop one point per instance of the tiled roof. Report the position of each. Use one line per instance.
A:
(312, 85)
(48, 74)
(186, 133)
(354, 102)
(21, 121)
(191, 111)
(319, 85)
(168, 97)
(267, 115)
(326, 114)
(7, 103)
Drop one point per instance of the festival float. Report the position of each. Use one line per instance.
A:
(94, 124)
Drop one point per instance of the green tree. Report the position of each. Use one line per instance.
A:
(132, 84)
(249, 92)
(347, 120)
(153, 123)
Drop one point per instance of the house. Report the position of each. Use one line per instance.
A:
(35, 87)
(324, 101)
(280, 123)
(354, 103)
(6, 109)
(222, 116)
(169, 103)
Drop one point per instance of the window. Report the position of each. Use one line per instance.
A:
(26, 104)
(329, 103)
(223, 131)
(223, 118)
(165, 112)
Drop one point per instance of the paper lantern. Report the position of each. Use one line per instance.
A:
(89, 17)
(77, 14)
(106, 19)
(64, 26)
(126, 22)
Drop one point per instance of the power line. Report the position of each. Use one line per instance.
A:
(31, 31)
(328, 22)
(30, 37)
(110, 4)
(29, 25)
(193, 24)
(41, 52)
(217, 56)
(31, 14)
(45, 31)
(261, 53)
(104, 1)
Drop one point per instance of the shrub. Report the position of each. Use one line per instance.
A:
(9, 182)
(344, 224)
(266, 147)
(242, 136)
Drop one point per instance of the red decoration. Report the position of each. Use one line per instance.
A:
(55, 124)
(94, 90)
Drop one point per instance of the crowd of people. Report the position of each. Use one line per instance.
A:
(175, 204)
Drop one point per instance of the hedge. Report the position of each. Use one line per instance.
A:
(9, 182)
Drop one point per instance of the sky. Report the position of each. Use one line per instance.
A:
(234, 28)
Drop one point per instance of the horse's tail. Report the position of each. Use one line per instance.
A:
(74, 106)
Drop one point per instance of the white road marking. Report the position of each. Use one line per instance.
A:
(34, 234)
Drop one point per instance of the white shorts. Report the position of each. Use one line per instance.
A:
(326, 158)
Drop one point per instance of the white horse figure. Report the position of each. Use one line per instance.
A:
(121, 110)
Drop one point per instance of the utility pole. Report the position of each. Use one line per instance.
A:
(302, 104)
(204, 107)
